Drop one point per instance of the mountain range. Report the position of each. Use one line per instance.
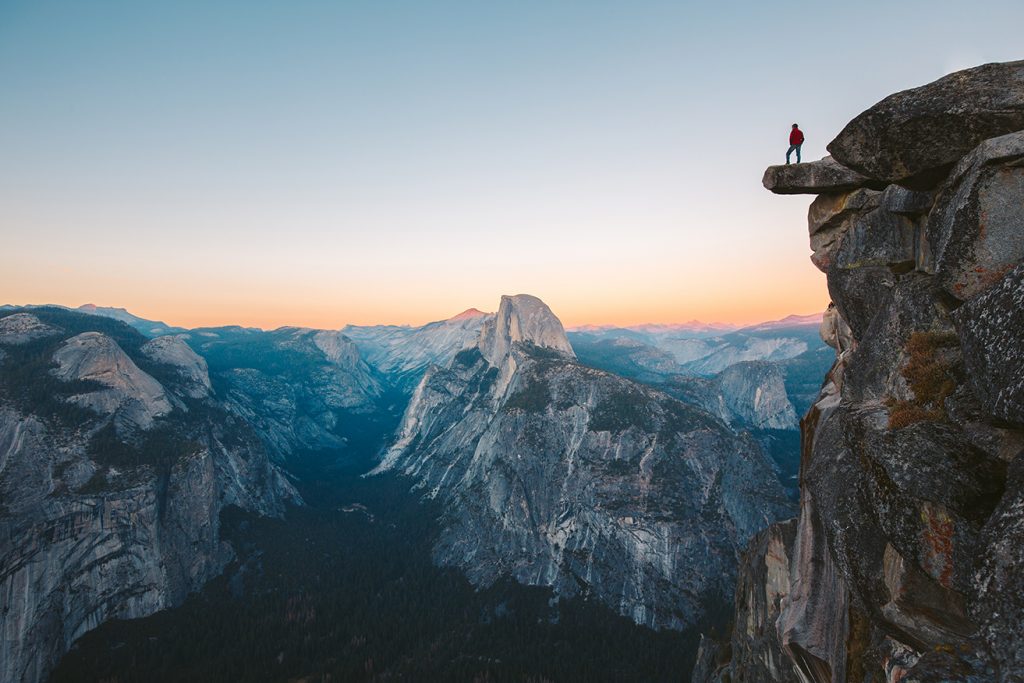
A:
(550, 469)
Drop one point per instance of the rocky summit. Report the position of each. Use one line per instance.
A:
(907, 559)
(561, 475)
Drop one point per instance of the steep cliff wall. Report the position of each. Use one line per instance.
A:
(561, 475)
(114, 468)
(908, 561)
(298, 388)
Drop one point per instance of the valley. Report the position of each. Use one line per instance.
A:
(344, 588)
(367, 557)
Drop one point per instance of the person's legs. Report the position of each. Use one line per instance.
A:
(798, 153)
(790, 151)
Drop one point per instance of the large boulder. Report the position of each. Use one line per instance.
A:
(976, 230)
(906, 202)
(878, 238)
(874, 372)
(915, 136)
(814, 177)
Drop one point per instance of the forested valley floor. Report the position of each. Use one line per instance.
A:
(343, 589)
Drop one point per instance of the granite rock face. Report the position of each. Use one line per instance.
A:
(192, 369)
(124, 389)
(814, 177)
(974, 231)
(914, 137)
(565, 476)
(746, 394)
(991, 329)
(712, 665)
(403, 354)
(764, 583)
(522, 318)
(111, 484)
(295, 386)
(906, 564)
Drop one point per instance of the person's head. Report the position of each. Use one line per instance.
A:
(794, 125)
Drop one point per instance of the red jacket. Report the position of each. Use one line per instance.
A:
(796, 137)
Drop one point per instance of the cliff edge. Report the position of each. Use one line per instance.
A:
(907, 562)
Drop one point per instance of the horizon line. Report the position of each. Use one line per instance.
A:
(568, 328)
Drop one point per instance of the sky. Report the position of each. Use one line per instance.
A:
(324, 163)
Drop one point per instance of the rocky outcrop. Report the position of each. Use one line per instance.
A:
(906, 563)
(131, 394)
(21, 328)
(98, 522)
(712, 665)
(813, 177)
(565, 476)
(914, 137)
(190, 366)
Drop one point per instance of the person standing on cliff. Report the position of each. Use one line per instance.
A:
(796, 140)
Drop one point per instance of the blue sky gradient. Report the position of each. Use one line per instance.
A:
(329, 162)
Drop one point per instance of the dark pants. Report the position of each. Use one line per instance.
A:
(790, 151)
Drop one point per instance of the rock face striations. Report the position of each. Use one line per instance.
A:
(114, 468)
(749, 393)
(403, 354)
(561, 475)
(297, 387)
(907, 562)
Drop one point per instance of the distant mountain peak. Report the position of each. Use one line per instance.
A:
(789, 321)
(468, 314)
(522, 318)
(93, 308)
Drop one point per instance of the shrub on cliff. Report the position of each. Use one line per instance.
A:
(930, 374)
